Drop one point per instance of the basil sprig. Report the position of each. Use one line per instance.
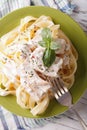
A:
(50, 47)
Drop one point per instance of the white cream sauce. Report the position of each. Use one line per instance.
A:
(29, 79)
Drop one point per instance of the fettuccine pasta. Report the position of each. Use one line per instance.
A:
(21, 55)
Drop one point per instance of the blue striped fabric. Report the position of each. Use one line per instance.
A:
(64, 5)
(9, 121)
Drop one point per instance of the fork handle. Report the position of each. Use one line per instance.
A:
(84, 125)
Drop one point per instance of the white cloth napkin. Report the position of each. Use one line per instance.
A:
(9, 121)
(64, 5)
(7, 6)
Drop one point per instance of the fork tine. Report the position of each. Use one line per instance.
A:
(51, 81)
(56, 95)
(56, 85)
(62, 85)
(59, 86)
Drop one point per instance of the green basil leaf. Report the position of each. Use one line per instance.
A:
(42, 43)
(55, 45)
(49, 57)
(46, 34)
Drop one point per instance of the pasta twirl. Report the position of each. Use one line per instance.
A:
(21, 54)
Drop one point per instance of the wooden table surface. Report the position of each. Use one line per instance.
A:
(68, 120)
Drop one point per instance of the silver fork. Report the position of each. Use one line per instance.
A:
(64, 97)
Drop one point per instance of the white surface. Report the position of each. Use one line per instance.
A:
(68, 120)
(80, 15)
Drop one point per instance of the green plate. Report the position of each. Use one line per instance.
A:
(78, 38)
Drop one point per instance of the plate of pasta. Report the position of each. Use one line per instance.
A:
(45, 40)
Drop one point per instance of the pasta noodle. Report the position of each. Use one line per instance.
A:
(20, 55)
